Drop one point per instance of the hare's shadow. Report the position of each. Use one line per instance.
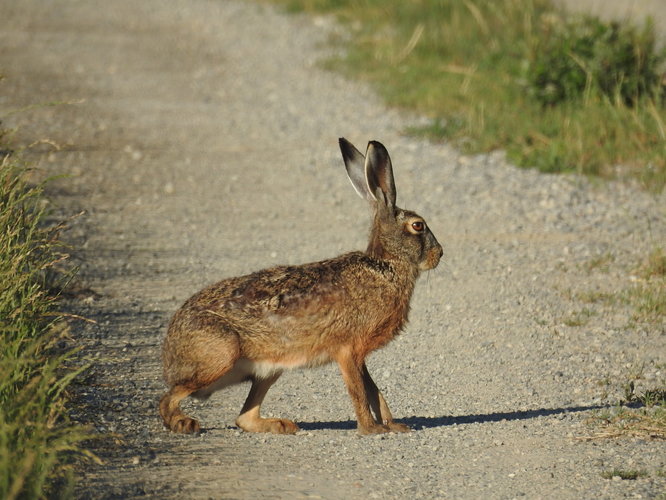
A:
(432, 422)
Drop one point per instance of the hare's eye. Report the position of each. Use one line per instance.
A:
(418, 226)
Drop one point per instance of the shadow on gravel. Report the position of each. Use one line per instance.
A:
(343, 425)
(431, 422)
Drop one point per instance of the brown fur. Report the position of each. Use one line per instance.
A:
(253, 327)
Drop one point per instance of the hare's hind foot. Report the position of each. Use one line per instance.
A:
(383, 428)
(174, 419)
(396, 427)
(252, 423)
(250, 419)
(183, 424)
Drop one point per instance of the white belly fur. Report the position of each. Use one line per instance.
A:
(245, 369)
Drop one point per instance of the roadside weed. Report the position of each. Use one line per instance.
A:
(625, 474)
(648, 295)
(645, 422)
(654, 265)
(600, 262)
(643, 292)
(579, 318)
(36, 437)
(641, 415)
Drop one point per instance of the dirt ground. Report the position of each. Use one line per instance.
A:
(200, 138)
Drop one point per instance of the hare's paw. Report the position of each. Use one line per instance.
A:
(184, 425)
(280, 426)
(272, 425)
(382, 429)
(396, 427)
(374, 429)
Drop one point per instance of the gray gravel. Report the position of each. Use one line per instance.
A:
(201, 139)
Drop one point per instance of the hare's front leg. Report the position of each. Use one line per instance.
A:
(352, 374)
(378, 404)
(250, 419)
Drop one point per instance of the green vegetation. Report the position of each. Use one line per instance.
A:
(648, 297)
(645, 295)
(647, 421)
(630, 474)
(648, 301)
(654, 265)
(576, 56)
(36, 438)
(578, 318)
(557, 93)
(642, 423)
(601, 262)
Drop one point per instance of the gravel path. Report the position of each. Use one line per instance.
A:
(201, 139)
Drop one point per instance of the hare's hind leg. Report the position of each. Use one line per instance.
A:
(191, 368)
(171, 413)
(378, 404)
(250, 419)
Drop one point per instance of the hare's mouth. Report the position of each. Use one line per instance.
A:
(432, 259)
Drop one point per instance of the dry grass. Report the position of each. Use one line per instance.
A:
(648, 421)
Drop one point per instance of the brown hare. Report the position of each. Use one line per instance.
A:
(254, 327)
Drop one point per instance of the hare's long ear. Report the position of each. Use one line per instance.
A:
(355, 165)
(379, 173)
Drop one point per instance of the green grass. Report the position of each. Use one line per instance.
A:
(654, 265)
(578, 318)
(596, 297)
(37, 441)
(624, 474)
(644, 294)
(648, 297)
(558, 94)
(601, 262)
(648, 301)
(647, 421)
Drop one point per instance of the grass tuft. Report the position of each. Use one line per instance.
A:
(648, 301)
(646, 421)
(578, 318)
(648, 295)
(628, 474)
(644, 294)
(654, 265)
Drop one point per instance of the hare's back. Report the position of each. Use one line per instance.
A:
(293, 301)
(283, 288)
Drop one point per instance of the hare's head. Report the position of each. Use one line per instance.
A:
(396, 234)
